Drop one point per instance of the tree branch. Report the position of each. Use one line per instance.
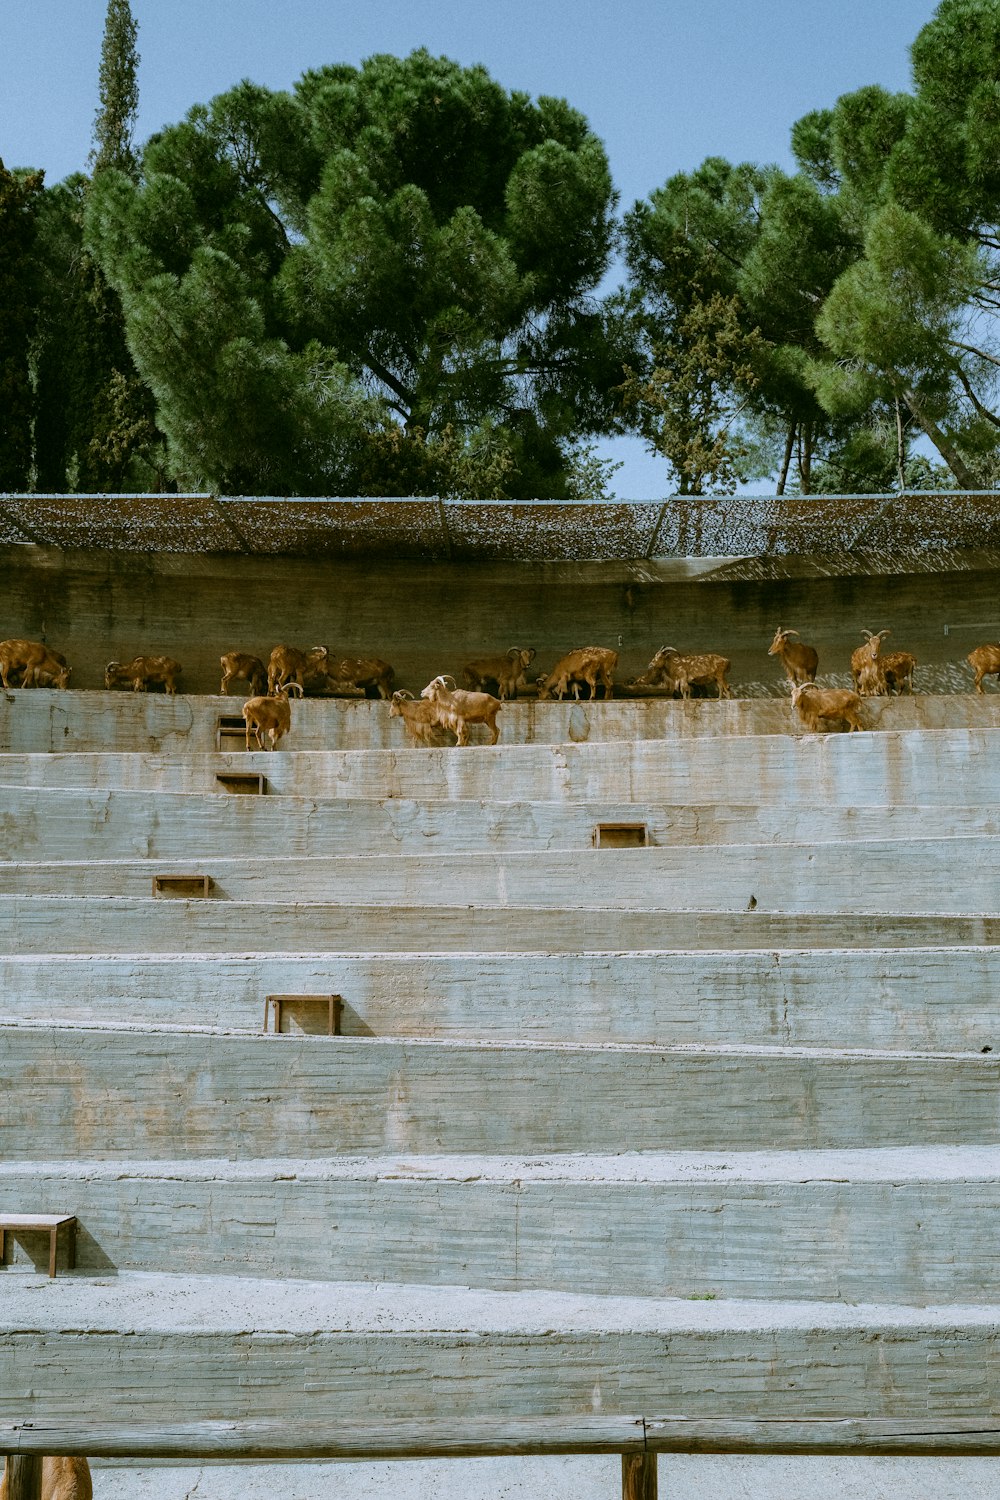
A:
(980, 408)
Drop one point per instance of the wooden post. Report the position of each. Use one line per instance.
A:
(23, 1476)
(638, 1476)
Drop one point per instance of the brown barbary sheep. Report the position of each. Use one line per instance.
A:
(369, 673)
(268, 718)
(238, 666)
(800, 662)
(898, 668)
(866, 667)
(288, 664)
(457, 708)
(142, 672)
(588, 666)
(420, 718)
(680, 673)
(34, 661)
(985, 662)
(831, 705)
(505, 673)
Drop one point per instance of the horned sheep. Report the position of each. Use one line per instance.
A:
(866, 667)
(985, 662)
(142, 672)
(800, 661)
(816, 705)
(35, 661)
(670, 669)
(269, 718)
(457, 708)
(587, 667)
(238, 665)
(505, 673)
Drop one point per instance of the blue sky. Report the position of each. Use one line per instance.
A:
(664, 83)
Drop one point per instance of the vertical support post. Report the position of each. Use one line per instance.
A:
(638, 1476)
(24, 1476)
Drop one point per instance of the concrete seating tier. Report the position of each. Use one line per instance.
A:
(857, 877)
(836, 1225)
(617, 1141)
(889, 998)
(99, 1094)
(182, 724)
(120, 924)
(184, 1358)
(935, 767)
(46, 823)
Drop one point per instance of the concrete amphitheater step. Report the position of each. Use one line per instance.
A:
(957, 876)
(43, 823)
(915, 1223)
(100, 1095)
(324, 1369)
(682, 1476)
(845, 770)
(106, 924)
(186, 723)
(902, 997)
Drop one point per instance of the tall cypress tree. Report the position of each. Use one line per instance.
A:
(95, 425)
(114, 123)
(19, 195)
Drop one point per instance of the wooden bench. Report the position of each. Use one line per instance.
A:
(334, 1004)
(42, 1224)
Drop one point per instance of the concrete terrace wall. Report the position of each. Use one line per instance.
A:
(120, 1095)
(36, 720)
(860, 878)
(939, 767)
(70, 824)
(95, 606)
(939, 999)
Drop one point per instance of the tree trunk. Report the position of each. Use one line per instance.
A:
(638, 1476)
(805, 458)
(900, 448)
(786, 461)
(956, 463)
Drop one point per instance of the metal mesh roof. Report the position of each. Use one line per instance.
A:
(516, 530)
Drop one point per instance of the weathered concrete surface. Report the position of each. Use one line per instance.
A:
(35, 720)
(105, 924)
(593, 1477)
(98, 605)
(896, 877)
(44, 823)
(843, 770)
(284, 1351)
(921, 999)
(913, 1224)
(101, 1095)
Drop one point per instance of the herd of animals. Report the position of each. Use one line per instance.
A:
(444, 709)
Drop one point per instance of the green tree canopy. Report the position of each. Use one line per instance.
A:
(20, 193)
(403, 243)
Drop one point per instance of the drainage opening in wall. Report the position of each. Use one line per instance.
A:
(231, 733)
(621, 836)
